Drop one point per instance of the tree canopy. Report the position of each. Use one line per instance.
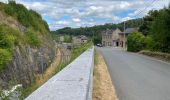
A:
(157, 26)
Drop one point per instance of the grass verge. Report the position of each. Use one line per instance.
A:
(102, 84)
(158, 55)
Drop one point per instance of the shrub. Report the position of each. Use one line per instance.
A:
(67, 38)
(5, 56)
(149, 43)
(7, 41)
(32, 38)
(135, 42)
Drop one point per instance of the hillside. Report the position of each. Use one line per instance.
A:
(97, 29)
(25, 45)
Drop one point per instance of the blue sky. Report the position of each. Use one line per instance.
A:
(81, 13)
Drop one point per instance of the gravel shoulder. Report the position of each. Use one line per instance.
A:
(102, 84)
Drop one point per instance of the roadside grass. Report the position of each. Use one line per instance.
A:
(102, 84)
(157, 55)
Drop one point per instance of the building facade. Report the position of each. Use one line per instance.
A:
(123, 36)
(80, 39)
(116, 38)
(110, 37)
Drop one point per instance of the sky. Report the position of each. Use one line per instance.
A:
(82, 13)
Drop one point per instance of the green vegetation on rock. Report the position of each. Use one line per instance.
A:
(5, 56)
(32, 24)
(32, 38)
(7, 40)
(28, 18)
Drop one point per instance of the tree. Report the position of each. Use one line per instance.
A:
(160, 30)
(135, 42)
(145, 27)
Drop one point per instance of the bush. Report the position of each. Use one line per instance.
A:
(67, 38)
(32, 38)
(135, 42)
(7, 39)
(5, 56)
(149, 43)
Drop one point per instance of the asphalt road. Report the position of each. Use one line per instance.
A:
(137, 77)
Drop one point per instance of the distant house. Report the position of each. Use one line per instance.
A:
(110, 37)
(115, 37)
(67, 45)
(80, 39)
(123, 36)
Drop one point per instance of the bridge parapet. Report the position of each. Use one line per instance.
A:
(74, 82)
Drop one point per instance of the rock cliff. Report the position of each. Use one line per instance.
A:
(26, 60)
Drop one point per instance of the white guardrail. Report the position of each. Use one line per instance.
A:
(74, 82)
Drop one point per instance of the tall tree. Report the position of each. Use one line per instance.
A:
(145, 28)
(160, 30)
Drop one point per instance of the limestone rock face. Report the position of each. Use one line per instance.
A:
(27, 61)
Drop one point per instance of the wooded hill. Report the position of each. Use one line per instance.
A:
(97, 29)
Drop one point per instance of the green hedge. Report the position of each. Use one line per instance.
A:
(135, 42)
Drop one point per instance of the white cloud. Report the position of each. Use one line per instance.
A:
(76, 19)
(87, 12)
(62, 22)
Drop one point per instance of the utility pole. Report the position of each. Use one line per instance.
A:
(93, 38)
(124, 44)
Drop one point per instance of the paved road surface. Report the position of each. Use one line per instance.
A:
(137, 77)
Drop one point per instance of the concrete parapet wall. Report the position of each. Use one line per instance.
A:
(74, 82)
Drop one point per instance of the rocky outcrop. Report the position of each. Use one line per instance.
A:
(11, 22)
(27, 61)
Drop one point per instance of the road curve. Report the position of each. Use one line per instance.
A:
(137, 77)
